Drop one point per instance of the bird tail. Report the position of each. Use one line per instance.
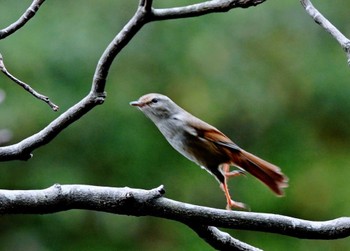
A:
(266, 172)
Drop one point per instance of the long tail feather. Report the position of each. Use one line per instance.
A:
(266, 172)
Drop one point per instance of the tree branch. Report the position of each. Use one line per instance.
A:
(26, 86)
(23, 150)
(126, 201)
(201, 9)
(328, 26)
(138, 202)
(27, 15)
(220, 240)
(144, 14)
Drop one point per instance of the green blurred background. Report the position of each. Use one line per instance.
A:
(267, 76)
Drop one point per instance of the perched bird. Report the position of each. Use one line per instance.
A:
(207, 146)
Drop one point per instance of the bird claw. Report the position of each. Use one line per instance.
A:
(238, 205)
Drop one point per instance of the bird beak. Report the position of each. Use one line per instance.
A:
(136, 103)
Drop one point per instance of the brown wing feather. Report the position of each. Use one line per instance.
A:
(210, 133)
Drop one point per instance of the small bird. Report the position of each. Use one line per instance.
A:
(207, 146)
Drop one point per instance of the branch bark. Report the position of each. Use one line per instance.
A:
(139, 202)
(327, 26)
(201, 9)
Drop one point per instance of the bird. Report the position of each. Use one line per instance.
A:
(208, 147)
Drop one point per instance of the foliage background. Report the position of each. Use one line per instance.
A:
(268, 77)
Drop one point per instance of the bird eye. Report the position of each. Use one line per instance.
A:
(155, 100)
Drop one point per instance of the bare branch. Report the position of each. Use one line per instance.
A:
(202, 9)
(138, 202)
(23, 150)
(26, 86)
(27, 15)
(221, 240)
(328, 26)
(144, 14)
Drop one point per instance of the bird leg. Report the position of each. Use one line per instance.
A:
(227, 174)
(231, 203)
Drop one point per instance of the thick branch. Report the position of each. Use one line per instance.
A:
(328, 26)
(27, 15)
(139, 202)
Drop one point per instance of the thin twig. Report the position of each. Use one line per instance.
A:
(27, 15)
(26, 86)
(328, 26)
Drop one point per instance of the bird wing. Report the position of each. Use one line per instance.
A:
(208, 132)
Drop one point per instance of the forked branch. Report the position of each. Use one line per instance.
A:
(144, 14)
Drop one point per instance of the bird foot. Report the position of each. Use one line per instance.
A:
(235, 204)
